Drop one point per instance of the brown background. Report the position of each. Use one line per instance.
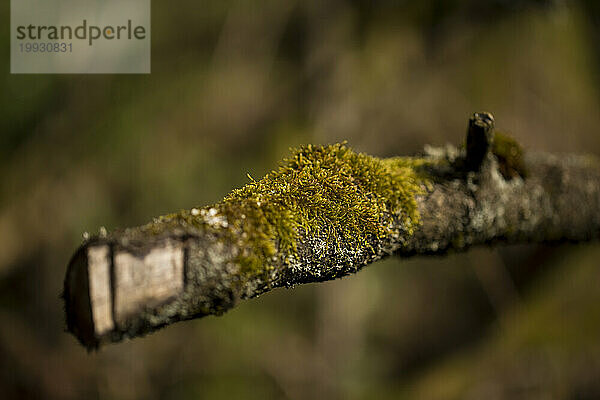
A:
(233, 86)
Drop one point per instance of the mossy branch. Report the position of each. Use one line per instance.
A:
(324, 213)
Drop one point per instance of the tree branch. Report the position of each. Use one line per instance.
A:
(327, 212)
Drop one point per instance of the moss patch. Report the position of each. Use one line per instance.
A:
(323, 190)
(332, 192)
(510, 156)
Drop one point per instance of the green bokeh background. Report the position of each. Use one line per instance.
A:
(234, 84)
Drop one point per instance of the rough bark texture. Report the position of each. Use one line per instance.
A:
(133, 281)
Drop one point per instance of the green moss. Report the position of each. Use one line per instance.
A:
(343, 197)
(510, 156)
(329, 191)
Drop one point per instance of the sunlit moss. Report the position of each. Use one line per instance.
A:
(327, 191)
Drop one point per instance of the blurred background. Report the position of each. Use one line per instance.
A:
(234, 84)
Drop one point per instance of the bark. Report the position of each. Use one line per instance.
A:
(135, 281)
